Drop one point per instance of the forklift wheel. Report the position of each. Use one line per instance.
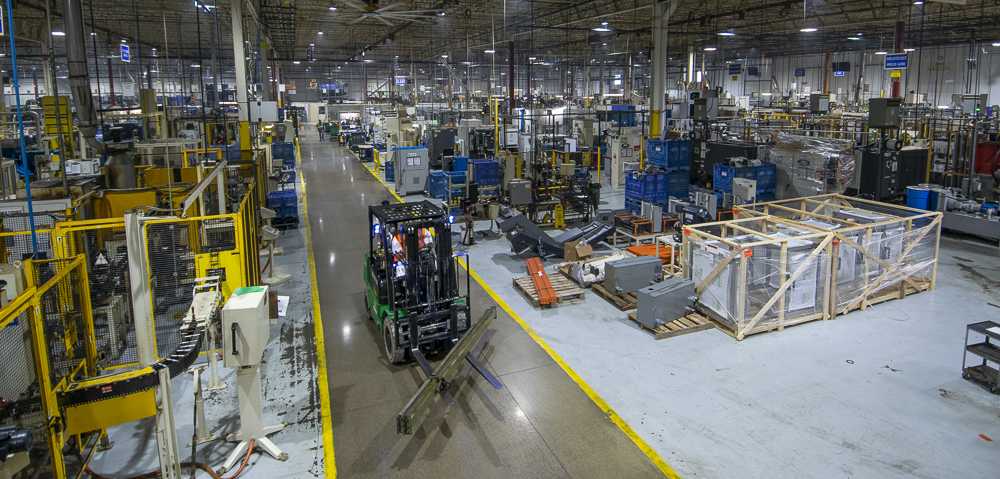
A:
(393, 352)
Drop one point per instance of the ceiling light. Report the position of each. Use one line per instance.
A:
(860, 34)
(808, 29)
(605, 44)
(602, 29)
(296, 62)
(58, 34)
(765, 94)
(93, 33)
(196, 66)
(918, 2)
(604, 23)
(881, 53)
(441, 13)
(444, 56)
(726, 34)
(710, 49)
(319, 33)
(333, 8)
(854, 38)
(533, 58)
(124, 40)
(996, 44)
(312, 44)
(490, 51)
(909, 49)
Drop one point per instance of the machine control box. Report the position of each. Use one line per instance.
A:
(520, 192)
(632, 274)
(819, 103)
(884, 112)
(744, 191)
(245, 326)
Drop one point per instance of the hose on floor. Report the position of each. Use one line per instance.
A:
(203, 467)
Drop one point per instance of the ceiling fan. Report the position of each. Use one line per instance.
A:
(371, 9)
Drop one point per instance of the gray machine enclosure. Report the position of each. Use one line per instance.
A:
(665, 302)
(412, 170)
(632, 274)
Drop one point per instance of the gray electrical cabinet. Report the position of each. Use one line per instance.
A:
(632, 274)
(819, 103)
(520, 192)
(884, 112)
(665, 302)
(411, 169)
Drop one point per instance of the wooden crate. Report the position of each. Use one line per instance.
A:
(691, 323)
(565, 290)
(874, 262)
(744, 271)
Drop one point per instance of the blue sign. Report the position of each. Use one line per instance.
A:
(735, 69)
(401, 81)
(125, 55)
(896, 61)
(838, 74)
(800, 72)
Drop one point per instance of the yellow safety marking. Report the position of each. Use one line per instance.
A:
(615, 418)
(329, 458)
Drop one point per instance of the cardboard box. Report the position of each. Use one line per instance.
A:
(577, 251)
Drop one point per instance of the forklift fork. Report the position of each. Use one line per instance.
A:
(437, 381)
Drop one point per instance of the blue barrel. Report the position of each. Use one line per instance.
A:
(917, 197)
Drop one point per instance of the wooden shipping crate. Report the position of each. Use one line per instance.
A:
(881, 251)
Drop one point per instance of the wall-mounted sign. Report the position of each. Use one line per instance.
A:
(800, 72)
(125, 54)
(895, 61)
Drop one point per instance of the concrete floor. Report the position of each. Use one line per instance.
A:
(541, 424)
(870, 394)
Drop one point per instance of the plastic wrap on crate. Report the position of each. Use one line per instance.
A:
(716, 270)
(809, 166)
(881, 248)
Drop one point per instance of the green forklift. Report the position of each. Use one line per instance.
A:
(413, 295)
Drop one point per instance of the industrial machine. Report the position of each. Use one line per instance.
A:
(632, 274)
(664, 302)
(440, 143)
(412, 169)
(625, 149)
(414, 299)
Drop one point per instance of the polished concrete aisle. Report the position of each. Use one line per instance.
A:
(542, 424)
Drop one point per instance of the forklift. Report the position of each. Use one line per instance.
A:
(413, 296)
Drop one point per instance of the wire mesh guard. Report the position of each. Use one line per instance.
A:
(106, 257)
(20, 396)
(62, 316)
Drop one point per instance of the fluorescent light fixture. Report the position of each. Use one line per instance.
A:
(854, 38)
(881, 53)
(996, 44)
(918, 2)
(726, 34)
(605, 23)
(441, 13)
(765, 94)
(808, 29)
(296, 62)
(369, 61)
(58, 34)
(444, 56)
(333, 8)
(124, 40)
(532, 58)
(602, 29)
(312, 44)
(710, 49)
(196, 66)
(490, 51)
(319, 33)
(909, 49)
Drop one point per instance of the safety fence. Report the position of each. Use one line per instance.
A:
(71, 316)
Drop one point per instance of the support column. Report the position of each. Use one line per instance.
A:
(241, 79)
(827, 66)
(691, 75)
(661, 18)
(897, 47)
(510, 78)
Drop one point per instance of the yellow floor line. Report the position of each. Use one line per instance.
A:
(615, 418)
(329, 458)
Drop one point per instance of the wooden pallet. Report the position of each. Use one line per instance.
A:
(691, 323)
(727, 328)
(888, 294)
(564, 290)
(623, 302)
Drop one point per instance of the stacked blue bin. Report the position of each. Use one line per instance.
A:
(460, 163)
(766, 176)
(656, 187)
(486, 172)
(390, 171)
(286, 208)
(437, 185)
(285, 152)
(669, 155)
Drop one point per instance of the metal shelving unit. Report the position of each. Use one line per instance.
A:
(988, 351)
